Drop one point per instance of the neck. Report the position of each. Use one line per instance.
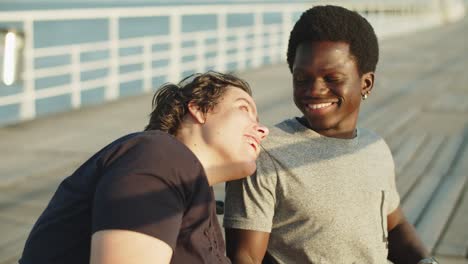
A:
(333, 132)
(218, 167)
(215, 171)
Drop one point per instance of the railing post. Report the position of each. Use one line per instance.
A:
(221, 35)
(147, 65)
(75, 77)
(242, 43)
(258, 39)
(112, 90)
(175, 52)
(274, 38)
(287, 27)
(201, 60)
(28, 104)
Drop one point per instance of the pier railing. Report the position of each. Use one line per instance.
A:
(90, 72)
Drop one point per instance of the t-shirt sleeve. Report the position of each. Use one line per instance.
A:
(393, 195)
(250, 202)
(140, 192)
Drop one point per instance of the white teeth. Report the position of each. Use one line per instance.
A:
(318, 106)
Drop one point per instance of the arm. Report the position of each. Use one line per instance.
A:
(137, 207)
(122, 246)
(246, 246)
(249, 210)
(404, 243)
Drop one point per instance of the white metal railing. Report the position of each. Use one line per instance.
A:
(247, 45)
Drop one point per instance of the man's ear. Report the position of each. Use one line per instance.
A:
(367, 83)
(196, 112)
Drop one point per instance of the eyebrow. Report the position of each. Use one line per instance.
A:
(249, 103)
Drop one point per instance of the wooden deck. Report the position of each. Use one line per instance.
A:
(419, 104)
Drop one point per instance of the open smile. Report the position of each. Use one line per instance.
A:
(320, 108)
(253, 142)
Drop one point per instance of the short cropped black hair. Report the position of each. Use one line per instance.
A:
(335, 23)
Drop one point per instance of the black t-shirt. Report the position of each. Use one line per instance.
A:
(147, 182)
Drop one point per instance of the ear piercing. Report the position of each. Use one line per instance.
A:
(365, 95)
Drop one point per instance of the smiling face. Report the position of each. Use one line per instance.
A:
(328, 87)
(232, 132)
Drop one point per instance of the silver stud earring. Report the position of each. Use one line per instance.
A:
(364, 96)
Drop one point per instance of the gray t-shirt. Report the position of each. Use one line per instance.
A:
(323, 200)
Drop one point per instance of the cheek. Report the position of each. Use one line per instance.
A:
(354, 100)
(232, 126)
(298, 94)
(350, 91)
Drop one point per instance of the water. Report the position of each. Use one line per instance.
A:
(53, 33)
(10, 5)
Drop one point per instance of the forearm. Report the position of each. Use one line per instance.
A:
(241, 258)
(246, 246)
(405, 245)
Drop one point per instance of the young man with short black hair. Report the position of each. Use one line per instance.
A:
(324, 190)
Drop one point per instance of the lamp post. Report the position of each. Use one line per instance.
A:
(11, 52)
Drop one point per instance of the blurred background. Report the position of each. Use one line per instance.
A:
(76, 75)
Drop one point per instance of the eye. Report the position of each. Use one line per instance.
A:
(244, 108)
(300, 77)
(333, 79)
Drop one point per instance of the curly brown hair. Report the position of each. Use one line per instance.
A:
(170, 102)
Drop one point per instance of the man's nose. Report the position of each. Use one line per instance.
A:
(262, 131)
(316, 87)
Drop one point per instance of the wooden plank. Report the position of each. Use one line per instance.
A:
(407, 150)
(396, 140)
(32, 193)
(10, 253)
(13, 239)
(397, 121)
(421, 194)
(454, 241)
(372, 118)
(444, 201)
(451, 260)
(11, 231)
(416, 168)
(24, 213)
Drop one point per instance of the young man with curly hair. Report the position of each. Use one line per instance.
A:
(324, 190)
(147, 197)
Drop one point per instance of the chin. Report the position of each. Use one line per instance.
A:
(246, 169)
(319, 124)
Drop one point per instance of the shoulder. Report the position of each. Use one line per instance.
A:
(153, 141)
(151, 162)
(285, 133)
(370, 140)
(154, 153)
(367, 136)
(266, 163)
(153, 144)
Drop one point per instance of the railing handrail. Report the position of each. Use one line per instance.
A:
(240, 8)
(252, 44)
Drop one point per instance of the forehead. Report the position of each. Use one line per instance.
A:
(234, 93)
(323, 54)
